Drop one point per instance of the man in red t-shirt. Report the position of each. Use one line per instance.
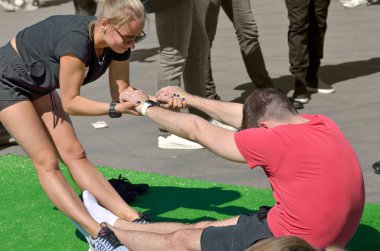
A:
(314, 173)
(315, 177)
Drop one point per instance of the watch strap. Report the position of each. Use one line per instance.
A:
(111, 110)
(146, 105)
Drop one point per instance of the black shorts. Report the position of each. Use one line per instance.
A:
(248, 230)
(15, 84)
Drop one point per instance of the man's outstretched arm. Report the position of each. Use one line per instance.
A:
(218, 140)
(227, 112)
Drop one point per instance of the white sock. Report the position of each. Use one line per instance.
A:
(99, 213)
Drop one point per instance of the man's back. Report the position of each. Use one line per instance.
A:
(315, 176)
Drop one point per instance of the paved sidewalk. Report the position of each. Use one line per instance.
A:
(351, 64)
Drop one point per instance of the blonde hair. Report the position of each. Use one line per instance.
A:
(287, 243)
(118, 12)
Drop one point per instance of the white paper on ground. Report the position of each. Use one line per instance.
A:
(100, 124)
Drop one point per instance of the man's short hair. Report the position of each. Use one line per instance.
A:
(266, 104)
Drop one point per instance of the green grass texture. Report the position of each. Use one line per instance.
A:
(29, 221)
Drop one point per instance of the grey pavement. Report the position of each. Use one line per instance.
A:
(351, 65)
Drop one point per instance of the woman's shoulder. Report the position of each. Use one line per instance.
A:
(62, 22)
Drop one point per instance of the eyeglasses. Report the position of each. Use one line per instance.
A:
(128, 39)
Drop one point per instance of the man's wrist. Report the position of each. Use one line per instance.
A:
(190, 100)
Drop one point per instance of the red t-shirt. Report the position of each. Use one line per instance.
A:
(315, 177)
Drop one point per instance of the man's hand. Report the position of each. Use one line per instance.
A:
(172, 97)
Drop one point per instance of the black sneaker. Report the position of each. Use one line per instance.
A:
(144, 219)
(106, 240)
(297, 105)
(319, 86)
(128, 196)
(126, 185)
(5, 137)
(376, 167)
(300, 93)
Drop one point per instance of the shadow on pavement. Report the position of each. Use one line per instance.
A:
(331, 74)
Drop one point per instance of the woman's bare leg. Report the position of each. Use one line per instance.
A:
(84, 173)
(24, 124)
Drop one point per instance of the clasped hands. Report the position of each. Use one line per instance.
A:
(170, 97)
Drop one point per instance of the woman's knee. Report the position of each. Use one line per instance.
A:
(45, 163)
(71, 152)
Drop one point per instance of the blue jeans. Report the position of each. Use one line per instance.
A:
(184, 45)
(240, 14)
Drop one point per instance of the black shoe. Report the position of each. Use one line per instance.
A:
(319, 86)
(300, 93)
(126, 185)
(376, 167)
(128, 196)
(144, 219)
(5, 137)
(106, 240)
(297, 105)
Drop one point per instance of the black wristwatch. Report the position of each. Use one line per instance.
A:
(112, 112)
(148, 103)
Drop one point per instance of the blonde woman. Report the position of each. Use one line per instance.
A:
(67, 52)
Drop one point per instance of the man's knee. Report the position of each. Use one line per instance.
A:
(189, 239)
(201, 224)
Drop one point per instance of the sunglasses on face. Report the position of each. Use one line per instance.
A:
(128, 39)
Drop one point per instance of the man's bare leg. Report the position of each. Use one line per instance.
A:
(101, 214)
(184, 239)
(169, 227)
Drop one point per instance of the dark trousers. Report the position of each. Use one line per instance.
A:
(241, 15)
(306, 35)
(85, 7)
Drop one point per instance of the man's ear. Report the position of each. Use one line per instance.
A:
(263, 124)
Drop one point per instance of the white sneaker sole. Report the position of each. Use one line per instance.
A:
(8, 6)
(6, 139)
(323, 91)
(175, 142)
(353, 5)
(222, 125)
(302, 100)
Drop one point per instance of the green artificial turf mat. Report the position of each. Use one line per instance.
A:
(29, 221)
